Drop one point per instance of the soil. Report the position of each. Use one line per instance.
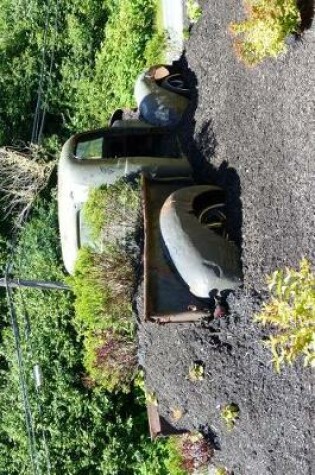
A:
(252, 131)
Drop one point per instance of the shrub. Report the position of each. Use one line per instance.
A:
(117, 63)
(104, 282)
(264, 32)
(291, 312)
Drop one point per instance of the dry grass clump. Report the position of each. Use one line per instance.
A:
(23, 174)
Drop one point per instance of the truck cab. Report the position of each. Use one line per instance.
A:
(103, 156)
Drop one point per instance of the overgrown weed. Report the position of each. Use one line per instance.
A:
(291, 313)
(264, 31)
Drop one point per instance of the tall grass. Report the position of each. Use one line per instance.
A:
(104, 283)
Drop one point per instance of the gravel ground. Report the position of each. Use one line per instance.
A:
(253, 132)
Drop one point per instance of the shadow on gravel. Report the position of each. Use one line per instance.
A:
(200, 148)
(306, 8)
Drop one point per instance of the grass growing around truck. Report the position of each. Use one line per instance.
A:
(104, 282)
(264, 31)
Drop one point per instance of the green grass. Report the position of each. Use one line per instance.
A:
(118, 203)
(104, 283)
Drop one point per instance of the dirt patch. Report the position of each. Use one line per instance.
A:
(251, 131)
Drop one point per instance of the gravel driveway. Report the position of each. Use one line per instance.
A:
(253, 132)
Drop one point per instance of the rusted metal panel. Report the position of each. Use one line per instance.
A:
(183, 317)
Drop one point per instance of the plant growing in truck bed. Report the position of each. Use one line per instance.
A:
(104, 282)
(291, 312)
(264, 32)
(110, 359)
(112, 207)
(103, 285)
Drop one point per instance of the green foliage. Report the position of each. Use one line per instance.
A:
(155, 48)
(103, 283)
(87, 432)
(175, 460)
(230, 413)
(92, 52)
(194, 11)
(264, 32)
(118, 62)
(291, 311)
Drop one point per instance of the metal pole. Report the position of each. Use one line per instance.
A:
(35, 284)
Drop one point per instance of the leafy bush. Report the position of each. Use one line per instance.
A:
(92, 52)
(118, 62)
(264, 32)
(291, 312)
(86, 432)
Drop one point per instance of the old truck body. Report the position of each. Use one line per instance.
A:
(187, 257)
